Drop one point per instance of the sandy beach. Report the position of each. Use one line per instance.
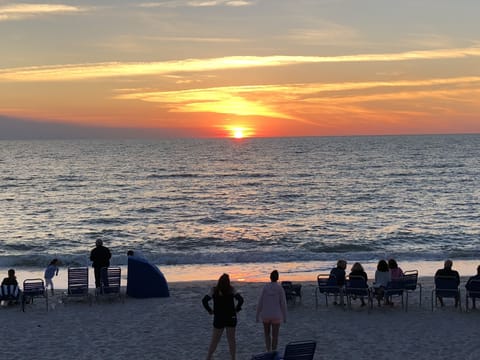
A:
(179, 328)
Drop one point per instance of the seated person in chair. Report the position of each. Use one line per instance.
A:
(469, 285)
(11, 280)
(339, 273)
(447, 271)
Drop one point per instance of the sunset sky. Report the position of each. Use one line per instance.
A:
(207, 68)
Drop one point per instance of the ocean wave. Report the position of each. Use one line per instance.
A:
(234, 257)
(173, 176)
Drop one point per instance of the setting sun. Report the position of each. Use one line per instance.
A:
(238, 133)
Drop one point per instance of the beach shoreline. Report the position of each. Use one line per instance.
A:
(253, 272)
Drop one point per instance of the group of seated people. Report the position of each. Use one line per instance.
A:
(386, 272)
(389, 271)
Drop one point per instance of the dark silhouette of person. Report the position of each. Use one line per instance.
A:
(448, 272)
(100, 257)
(11, 279)
(224, 313)
(470, 286)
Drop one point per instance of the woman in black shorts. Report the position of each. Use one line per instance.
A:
(224, 313)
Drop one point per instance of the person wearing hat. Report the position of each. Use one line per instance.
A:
(100, 257)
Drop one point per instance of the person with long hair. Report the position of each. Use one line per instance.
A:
(50, 272)
(382, 278)
(272, 309)
(395, 271)
(358, 271)
(224, 313)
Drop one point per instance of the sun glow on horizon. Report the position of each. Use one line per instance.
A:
(238, 132)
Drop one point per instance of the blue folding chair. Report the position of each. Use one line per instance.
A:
(271, 355)
(446, 287)
(473, 291)
(10, 293)
(327, 286)
(110, 278)
(33, 288)
(292, 291)
(394, 288)
(357, 287)
(410, 284)
(299, 350)
(77, 286)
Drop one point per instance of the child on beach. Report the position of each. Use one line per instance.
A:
(50, 272)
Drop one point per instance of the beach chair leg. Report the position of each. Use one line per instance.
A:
(420, 288)
(433, 294)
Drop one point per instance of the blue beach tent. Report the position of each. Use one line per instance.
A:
(145, 280)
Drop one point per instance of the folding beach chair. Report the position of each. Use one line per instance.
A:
(410, 284)
(271, 355)
(357, 287)
(446, 287)
(292, 291)
(77, 284)
(327, 286)
(299, 350)
(9, 294)
(33, 288)
(473, 292)
(394, 288)
(110, 278)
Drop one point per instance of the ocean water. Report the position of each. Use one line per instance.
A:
(196, 203)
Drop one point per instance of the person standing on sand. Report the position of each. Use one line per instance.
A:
(272, 308)
(224, 314)
(50, 272)
(100, 257)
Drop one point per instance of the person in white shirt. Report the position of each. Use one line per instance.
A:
(382, 278)
(272, 309)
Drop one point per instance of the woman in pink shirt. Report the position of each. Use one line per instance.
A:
(272, 309)
(395, 271)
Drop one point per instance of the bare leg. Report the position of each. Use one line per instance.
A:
(268, 340)
(231, 342)
(275, 331)
(216, 336)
